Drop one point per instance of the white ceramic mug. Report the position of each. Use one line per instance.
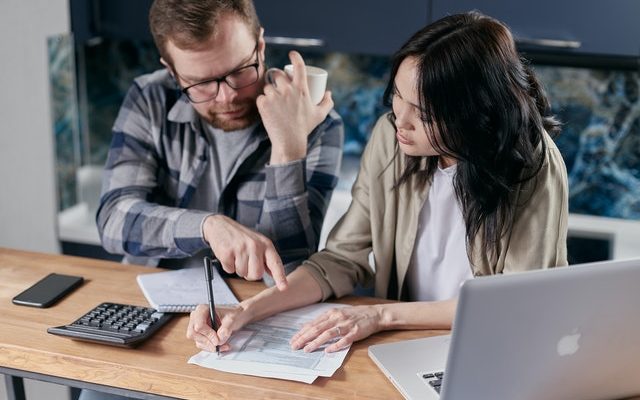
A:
(316, 80)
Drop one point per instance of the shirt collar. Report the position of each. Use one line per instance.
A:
(449, 171)
(182, 111)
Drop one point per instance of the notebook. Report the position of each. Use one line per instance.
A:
(182, 290)
(564, 333)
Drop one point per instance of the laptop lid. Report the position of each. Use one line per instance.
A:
(562, 333)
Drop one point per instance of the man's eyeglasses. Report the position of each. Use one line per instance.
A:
(237, 79)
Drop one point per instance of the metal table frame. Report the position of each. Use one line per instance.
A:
(13, 379)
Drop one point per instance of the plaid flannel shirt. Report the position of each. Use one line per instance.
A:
(157, 157)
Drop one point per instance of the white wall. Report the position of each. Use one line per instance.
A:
(28, 204)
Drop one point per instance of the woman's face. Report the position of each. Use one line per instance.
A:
(413, 136)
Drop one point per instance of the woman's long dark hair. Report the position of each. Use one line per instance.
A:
(489, 110)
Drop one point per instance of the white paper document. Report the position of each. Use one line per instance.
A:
(262, 349)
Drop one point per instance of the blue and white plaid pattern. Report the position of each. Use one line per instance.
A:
(158, 155)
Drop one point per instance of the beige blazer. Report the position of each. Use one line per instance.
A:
(385, 221)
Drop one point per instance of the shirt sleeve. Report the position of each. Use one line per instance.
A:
(128, 222)
(298, 194)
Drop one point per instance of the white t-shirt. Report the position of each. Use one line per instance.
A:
(439, 264)
(224, 157)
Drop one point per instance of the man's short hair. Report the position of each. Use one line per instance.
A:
(190, 23)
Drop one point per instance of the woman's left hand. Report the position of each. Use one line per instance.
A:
(350, 324)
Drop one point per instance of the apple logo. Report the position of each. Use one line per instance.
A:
(568, 344)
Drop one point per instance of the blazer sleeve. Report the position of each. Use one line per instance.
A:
(539, 235)
(345, 260)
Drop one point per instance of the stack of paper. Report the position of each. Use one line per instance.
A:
(262, 349)
(183, 290)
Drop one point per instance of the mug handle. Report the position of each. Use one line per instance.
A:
(270, 80)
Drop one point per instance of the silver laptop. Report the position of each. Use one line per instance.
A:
(565, 333)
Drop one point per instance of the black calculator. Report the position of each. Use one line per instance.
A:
(115, 324)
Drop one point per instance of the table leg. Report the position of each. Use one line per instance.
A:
(15, 387)
(75, 393)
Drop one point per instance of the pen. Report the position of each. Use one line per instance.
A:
(208, 274)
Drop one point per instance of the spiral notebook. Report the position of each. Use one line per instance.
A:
(182, 290)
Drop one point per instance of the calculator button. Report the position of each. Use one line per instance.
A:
(157, 315)
(141, 327)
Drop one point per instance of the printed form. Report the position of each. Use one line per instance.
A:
(262, 349)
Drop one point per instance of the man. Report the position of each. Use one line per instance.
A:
(205, 157)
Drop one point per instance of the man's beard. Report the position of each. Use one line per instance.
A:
(248, 117)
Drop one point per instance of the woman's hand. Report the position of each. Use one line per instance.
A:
(350, 324)
(200, 331)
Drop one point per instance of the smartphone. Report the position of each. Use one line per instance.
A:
(48, 290)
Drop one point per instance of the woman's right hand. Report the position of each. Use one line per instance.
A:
(200, 331)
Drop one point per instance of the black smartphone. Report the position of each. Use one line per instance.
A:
(48, 290)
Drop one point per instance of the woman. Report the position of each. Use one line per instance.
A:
(461, 179)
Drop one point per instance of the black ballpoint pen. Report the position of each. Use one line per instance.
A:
(208, 274)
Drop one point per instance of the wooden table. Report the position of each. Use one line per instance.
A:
(158, 368)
